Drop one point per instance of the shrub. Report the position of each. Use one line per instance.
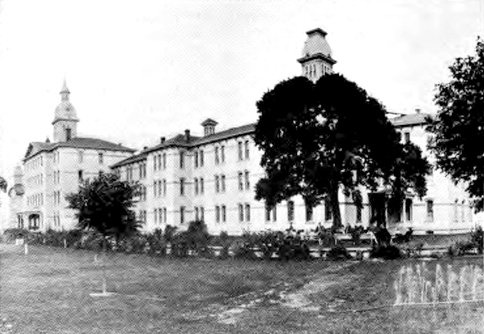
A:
(388, 252)
(156, 242)
(11, 234)
(338, 252)
(477, 239)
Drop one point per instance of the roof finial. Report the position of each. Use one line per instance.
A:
(64, 91)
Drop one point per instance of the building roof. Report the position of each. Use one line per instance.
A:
(180, 141)
(410, 119)
(226, 134)
(76, 142)
(316, 46)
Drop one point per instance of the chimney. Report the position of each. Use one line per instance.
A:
(162, 140)
(417, 110)
(187, 135)
(145, 147)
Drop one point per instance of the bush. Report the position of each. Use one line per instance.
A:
(477, 239)
(338, 252)
(389, 252)
(10, 234)
(156, 242)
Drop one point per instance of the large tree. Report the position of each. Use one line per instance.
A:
(104, 204)
(458, 142)
(319, 138)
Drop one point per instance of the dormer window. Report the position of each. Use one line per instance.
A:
(68, 134)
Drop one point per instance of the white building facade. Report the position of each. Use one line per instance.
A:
(213, 178)
(51, 170)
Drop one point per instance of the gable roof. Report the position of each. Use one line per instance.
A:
(77, 142)
(410, 119)
(226, 134)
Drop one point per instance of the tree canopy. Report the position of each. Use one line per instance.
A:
(105, 204)
(3, 184)
(458, 142)
(316, 138)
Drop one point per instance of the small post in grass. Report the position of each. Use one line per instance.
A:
(26, 248)
(104, 292)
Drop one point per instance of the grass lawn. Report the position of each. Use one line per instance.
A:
(47, 291)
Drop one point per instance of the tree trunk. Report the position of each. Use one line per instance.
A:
(334, 200)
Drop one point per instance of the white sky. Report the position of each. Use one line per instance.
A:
(138, 70)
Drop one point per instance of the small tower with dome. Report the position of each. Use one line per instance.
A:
(65, 120)
(317, 57)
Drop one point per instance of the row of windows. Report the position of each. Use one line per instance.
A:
(199, 213)
(160, 215)
(56, 177)
(142, 217)
(241, 150)
(220, 183)
(142, 193)
(199, 186)
(221, 213)
(198, 158)
(34, 163)
(244, 215)
(57, 220)
(159, 188)
(100, 157)
(56, 157)
(159, 161)
(35, 200)
(36, 180)
(241, 177)
(57, 197)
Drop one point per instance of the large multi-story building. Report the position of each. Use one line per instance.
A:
(53, 169)
(212, 177)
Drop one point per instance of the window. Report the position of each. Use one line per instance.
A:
(182, 214)
(239, 144)
(196, 213)
(100, 158)
(290, 211)
(201, 158)
(358, 213)
(202, 186)
(182, 159)
(81, 156)
(68, 134)
(408, 209)
(247, 180)
(407, 137)
(202, 213)
(217, 184)
(222, 153)
(430, 210)
(222, 179)
(195, 181)
(164, 160)
(164, 187)
(274, 213)
(247, 149)
(182, 186)
(155, 162)
(241, 182)
(328, 210)
(155, 214)
(164, 215)
(241, 212)
(196, 159)
(217, 213)
(309, 212)
(155, 188)
(217, 160)
(80, 176)
(224, 213)
(247, 212)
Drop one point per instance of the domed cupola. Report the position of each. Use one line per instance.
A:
(65, 119)
(317, 58)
